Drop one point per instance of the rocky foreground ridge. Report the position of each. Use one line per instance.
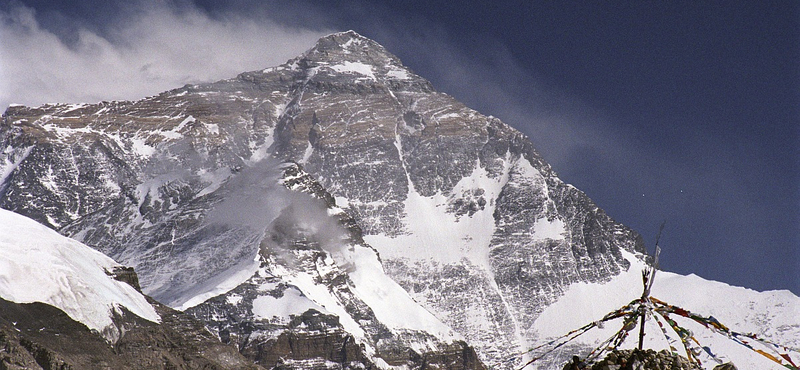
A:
(39, 336)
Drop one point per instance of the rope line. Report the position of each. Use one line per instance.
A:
(661, 310)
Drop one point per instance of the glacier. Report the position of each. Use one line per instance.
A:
(40, 265)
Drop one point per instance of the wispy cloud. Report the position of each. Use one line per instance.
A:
(150, 50)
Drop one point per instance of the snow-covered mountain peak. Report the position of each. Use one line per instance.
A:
(39, 265)
(348, 42)
(348, 54)
(476, 232)
(509, 235)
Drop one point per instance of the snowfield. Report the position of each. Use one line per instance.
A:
(771, 315)
(39, 265)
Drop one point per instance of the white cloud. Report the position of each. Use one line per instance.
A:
(153, 50)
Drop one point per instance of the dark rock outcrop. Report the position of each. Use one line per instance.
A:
(126, 275)
(40, 336)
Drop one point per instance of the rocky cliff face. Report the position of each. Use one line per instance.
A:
(465, 215)
(313, 245)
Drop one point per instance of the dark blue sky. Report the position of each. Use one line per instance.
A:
(684, 112)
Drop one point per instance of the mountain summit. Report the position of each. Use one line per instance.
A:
(337, 200)
(350, 46)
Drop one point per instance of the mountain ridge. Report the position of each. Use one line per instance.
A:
(465, 215)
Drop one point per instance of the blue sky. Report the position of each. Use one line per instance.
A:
(684, 112)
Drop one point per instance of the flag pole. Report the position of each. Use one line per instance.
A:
(648, 278)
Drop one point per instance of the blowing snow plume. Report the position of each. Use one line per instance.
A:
(252, 197)
(256, 198)
(256, 219)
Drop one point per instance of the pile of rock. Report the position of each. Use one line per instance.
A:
(642, 360)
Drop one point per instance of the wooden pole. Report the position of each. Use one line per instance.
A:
(642, 312)
(648, 278)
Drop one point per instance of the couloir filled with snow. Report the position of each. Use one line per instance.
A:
(39, 265)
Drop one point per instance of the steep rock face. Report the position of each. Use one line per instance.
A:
(466, 216)
(344, 324)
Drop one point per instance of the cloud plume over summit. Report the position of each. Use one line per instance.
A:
(142, 52)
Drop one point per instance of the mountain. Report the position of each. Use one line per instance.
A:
(64, 305)
(335, 211)
(320, 285)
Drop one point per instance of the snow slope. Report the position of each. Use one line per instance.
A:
(39, 265)
(770, 315)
